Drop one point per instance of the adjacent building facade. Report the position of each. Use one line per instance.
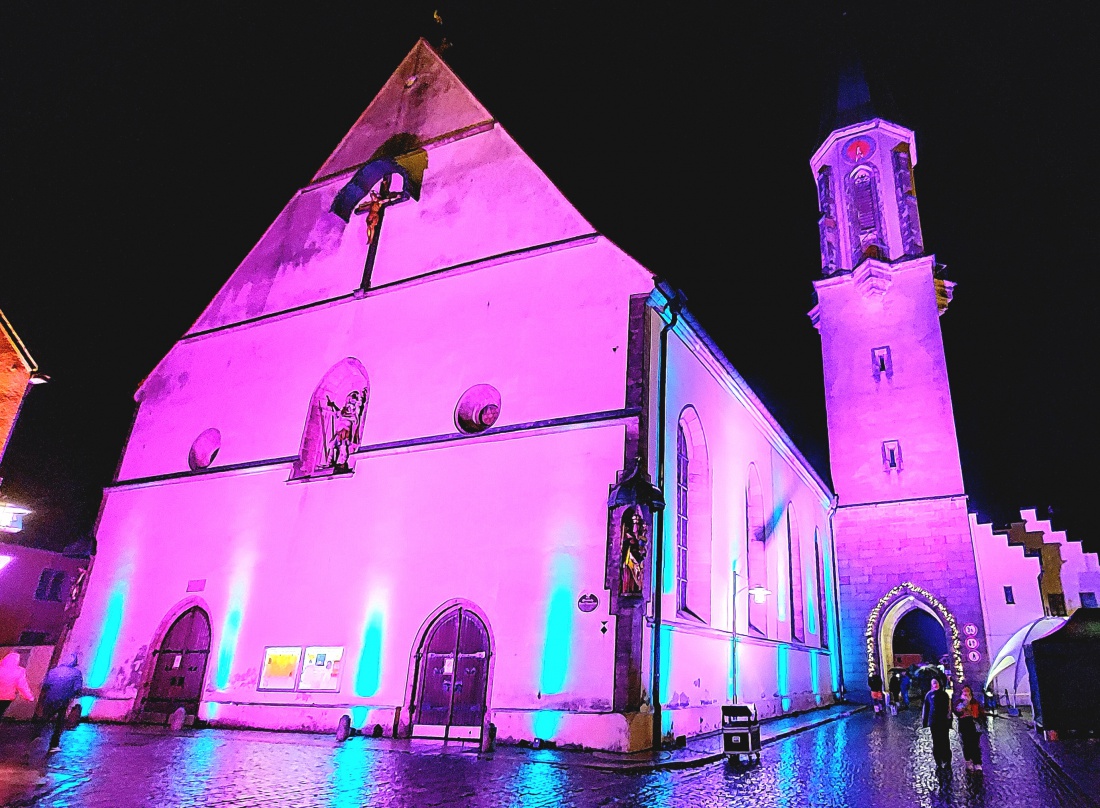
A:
(440, 456)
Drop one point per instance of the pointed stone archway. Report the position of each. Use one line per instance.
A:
(883, 621)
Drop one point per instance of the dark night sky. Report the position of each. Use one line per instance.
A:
(145, 150)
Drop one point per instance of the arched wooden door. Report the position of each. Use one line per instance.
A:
(452, 678)
(180, 667)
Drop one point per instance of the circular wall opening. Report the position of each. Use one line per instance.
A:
(204, 449)
(478, 409)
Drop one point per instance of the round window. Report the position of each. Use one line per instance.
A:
(478, 409)
(204, 449)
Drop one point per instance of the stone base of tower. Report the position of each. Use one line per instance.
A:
(895, 557)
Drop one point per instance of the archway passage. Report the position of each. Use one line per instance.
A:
(918, 633)
(452, 678)
(180, 668)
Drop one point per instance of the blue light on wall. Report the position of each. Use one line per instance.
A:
(108, 637)
(559, 626)
(666, 663)
(783, 674)
(830, 617)
(231, 629)
(359, 715)
(368, 675)
(546, 723)
(814, 664)
(86, 704)
(808, 590)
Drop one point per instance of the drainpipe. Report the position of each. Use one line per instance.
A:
(674, 301)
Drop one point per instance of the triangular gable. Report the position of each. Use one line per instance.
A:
(17, 345)
(430, 102)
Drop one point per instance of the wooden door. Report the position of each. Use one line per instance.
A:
(453, 677)
(180, 665)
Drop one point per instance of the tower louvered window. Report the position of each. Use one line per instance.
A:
(863, 198)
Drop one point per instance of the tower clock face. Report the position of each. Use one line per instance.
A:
(859, 148)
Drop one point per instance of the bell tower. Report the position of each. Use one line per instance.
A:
(891, 427)
(901, 524)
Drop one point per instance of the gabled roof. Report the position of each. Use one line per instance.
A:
(17, 344)
(431, 102)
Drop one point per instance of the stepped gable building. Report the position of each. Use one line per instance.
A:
(907, 549)
(438, 456)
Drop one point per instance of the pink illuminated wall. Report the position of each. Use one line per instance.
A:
(489, 285)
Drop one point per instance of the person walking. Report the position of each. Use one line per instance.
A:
(874, 682)
(936, 717)
(895, 691)
(968, 710)
(906, 683)
(13, 682)
(62, 684)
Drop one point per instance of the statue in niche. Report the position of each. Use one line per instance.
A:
(344, 429)
(634, 548)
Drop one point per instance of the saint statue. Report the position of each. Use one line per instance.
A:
(633, 552)
(344, 429)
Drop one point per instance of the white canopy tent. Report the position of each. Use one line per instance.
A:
(1008, 673)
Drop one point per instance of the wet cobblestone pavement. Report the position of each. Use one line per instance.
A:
(862, 760)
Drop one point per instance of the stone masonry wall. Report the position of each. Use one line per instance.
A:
(922, 542)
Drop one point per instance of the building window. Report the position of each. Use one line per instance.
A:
(681, 520)
(756, 552)
(693, 519)
(1088, 600)
(1057, 604)
(822, 614)
(49, 587)
(881, 364)
(33, 638)
(1009, 597)
(891, 455)
(794, 573)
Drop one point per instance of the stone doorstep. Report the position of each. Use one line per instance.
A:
(707, 748)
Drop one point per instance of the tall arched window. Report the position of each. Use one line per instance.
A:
(334, 423)
(693, 519)
(682, 506)
(756, 557)
(797, 585)
(867, 235)
(822, 614)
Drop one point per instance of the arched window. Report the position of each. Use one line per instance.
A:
(693, 519)
(822, 615)
(756, 557)
(797, 584)
(863, 215)
(334, 423)
(682, 506)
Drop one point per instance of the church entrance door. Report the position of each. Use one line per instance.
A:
(180, 668)
(452, 675)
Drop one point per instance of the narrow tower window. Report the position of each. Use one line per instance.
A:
(881, 365)
(1009, 597)
(891, 455)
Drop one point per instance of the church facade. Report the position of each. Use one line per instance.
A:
(437, 458)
